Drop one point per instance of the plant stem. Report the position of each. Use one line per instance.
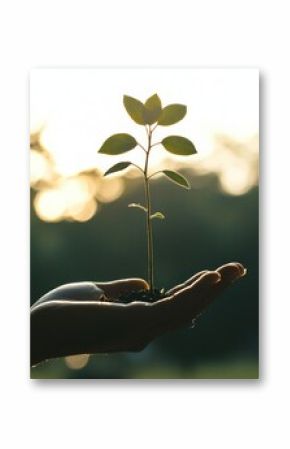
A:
(148, 219)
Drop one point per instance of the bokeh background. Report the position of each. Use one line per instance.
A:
(82, 229)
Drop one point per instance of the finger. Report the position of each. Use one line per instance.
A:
(186, 283)
(199, 287)
(191, 301)
(175, 311)
(192, 293)
(232, 271)
(116, 288)
(231, 267)
(229, 273)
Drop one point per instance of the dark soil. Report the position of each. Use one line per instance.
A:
(142, 295)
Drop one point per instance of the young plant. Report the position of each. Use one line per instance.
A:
(150, 115)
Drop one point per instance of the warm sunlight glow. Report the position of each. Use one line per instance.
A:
(110, 190)
(49, 205)
(238, 180)
(39, 167)
(235, 163)
(74, 192)
(70, 199)
(79, 109)
(85, 213)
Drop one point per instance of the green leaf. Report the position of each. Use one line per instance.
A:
(177, 178)
(152, 109)
(135, 109)
(139, 206)
(171, 114)
(157, 215)
(118, 144)
(179, 145)
(117, 167)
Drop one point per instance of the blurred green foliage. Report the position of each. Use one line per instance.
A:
(204, 228)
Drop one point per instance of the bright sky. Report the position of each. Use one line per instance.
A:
(80, 108)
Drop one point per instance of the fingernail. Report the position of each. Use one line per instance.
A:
(244, 272)
(218, 279)
(242, 269)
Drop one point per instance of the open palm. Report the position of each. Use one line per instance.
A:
(82, 318)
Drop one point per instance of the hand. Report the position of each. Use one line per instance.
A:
(80, 318)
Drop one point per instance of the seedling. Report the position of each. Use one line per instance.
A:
(150, 115)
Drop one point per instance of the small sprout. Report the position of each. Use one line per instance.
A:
(148, 114)
(157, 215)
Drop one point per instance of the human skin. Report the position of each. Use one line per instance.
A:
(82, 318)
